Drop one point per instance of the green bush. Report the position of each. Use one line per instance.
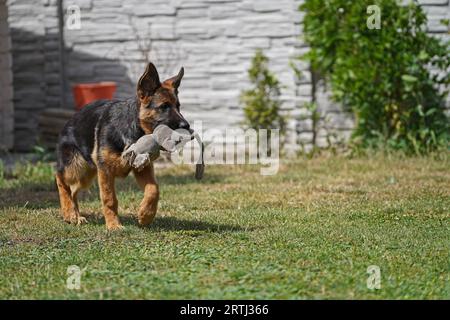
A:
(384, 76)
(262, 106)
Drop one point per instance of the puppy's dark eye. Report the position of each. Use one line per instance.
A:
(164, 106)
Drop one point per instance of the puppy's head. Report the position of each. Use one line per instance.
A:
(159, 103)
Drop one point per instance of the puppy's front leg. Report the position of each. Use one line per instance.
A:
(149, 204)
(109, 200)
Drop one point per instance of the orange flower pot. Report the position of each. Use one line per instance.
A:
(85, 93)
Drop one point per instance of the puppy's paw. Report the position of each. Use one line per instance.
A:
(75, 219)
(115, 227)
(81, 220)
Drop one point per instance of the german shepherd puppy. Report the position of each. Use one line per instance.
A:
(91, 144)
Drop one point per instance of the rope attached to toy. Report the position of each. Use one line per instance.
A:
(200, 165)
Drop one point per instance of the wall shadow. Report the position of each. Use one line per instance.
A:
(31, 196)
(37, 72)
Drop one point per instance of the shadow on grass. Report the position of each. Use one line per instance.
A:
(34, 195)
(175, 224)
(39, 196)
(171, 224)
(188, 178)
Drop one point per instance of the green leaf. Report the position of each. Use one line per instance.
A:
(430, 112)
(408, 78)
(423, 55)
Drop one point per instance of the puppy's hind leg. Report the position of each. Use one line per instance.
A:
(73, 175)
(68, 201)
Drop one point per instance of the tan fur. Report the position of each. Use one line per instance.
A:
(109, 200)
(78, 173)
(145, 117)
(68, 201)
(114, 164)
(149, 204)
(168, 84)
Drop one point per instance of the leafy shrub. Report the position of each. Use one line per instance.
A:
(390, 78)
(262, 106)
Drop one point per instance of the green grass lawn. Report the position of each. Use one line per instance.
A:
(311, 231)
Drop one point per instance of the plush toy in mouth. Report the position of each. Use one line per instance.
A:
(147, 148)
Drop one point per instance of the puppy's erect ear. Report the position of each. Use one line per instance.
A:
(149, 82)
(175, 81)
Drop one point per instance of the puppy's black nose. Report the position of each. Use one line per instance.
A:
(184, 125)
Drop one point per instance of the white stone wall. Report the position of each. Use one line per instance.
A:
(35, 65)
(213, 39)
(6, 90)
